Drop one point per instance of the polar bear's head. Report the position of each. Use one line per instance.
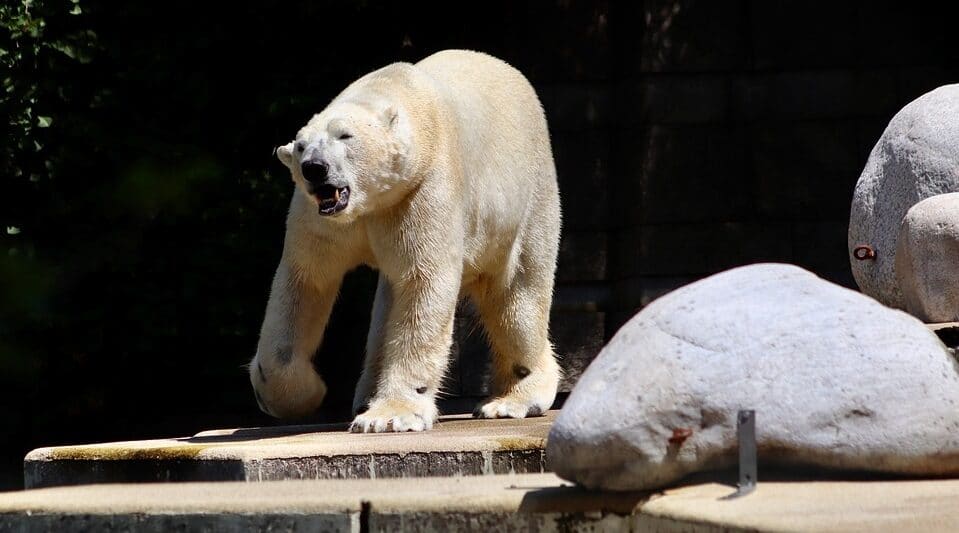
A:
(351, 159)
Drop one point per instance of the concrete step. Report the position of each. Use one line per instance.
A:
(523, 502)
(457, 445)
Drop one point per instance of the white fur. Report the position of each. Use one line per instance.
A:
(453, 193)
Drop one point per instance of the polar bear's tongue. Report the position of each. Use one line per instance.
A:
(328, 201)
(332, 200)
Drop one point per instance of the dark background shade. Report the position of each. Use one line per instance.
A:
(139, 227)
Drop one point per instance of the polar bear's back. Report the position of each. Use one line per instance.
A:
(505, 157)
(497, 111)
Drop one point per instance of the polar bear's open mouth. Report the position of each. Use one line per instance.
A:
(331, 199)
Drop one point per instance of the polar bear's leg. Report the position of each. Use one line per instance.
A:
(525, 374)
(416, 338)
(366, 386)
(284, 380)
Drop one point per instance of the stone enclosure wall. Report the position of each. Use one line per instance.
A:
(693, 136)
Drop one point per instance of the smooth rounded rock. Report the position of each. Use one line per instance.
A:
(837, 380)
(927, 259)
(916, 157)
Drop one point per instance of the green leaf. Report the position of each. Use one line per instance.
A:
(76, 10)
(13, 230)
(44, 122)
(66, 49)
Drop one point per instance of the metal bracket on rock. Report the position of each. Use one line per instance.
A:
(864, 252)
(748, 468)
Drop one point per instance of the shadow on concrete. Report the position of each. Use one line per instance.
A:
(267, 432)
(40, 474)
(949, 336)
(575, 499)
(800, 473)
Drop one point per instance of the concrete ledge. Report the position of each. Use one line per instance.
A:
(487, 503)
(458, 445)
(948, 333)
(936, 326)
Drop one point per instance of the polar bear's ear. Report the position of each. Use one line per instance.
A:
(285, 154)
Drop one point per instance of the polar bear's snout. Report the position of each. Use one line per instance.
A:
(331, 197)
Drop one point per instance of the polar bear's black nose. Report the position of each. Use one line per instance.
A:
(315, 172)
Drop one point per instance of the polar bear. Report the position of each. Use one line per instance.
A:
(439, 175)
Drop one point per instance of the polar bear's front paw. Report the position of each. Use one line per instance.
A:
(506, 407)
(394, 415)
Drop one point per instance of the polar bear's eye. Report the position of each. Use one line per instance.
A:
(300, 145)
(345, 136)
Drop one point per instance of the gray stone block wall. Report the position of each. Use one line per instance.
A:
(691, 137)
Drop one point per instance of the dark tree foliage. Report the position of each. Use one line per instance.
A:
(142, 210)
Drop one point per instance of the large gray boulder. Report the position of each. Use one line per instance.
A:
(836, 379)
(927, 259)
(916, 157)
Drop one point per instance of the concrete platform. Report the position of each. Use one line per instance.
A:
(526, 502)
(457, 445)
(900, 506)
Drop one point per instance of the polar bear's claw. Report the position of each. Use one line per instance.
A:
(506, 408)
(391, 417)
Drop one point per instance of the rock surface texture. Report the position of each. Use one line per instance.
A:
(927, 259)
(837, 381)
(916, 157)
